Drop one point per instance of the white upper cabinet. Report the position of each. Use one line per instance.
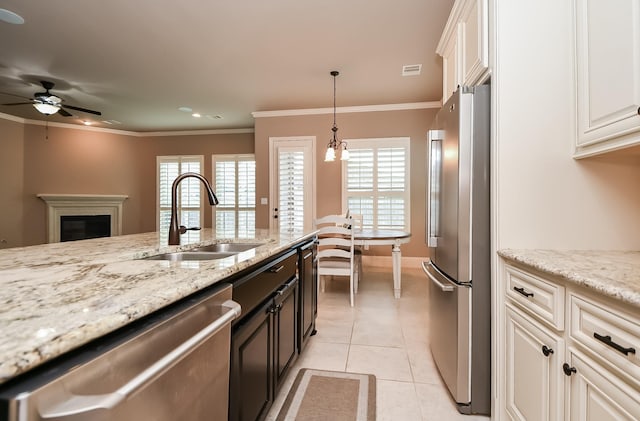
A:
(464, 46)
(608, 75)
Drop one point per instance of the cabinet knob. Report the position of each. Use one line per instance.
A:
(568, 370)
(546, 351)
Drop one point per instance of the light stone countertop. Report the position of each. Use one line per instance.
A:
(612, 273)
(57, 297)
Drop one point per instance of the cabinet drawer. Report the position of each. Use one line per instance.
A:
(253, 289)
(613, 337)
(542, 298)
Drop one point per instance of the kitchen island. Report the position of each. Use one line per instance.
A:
(57, 297)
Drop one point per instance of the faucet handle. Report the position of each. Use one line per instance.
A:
(184, 229)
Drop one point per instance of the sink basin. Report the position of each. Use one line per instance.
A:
(190, 255)
(226, 247)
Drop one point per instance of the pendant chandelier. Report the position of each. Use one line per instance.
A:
(334, 143)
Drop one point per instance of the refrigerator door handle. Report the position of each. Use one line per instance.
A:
(435, 138)
(443, 287)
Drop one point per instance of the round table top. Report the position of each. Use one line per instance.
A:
(380, 234)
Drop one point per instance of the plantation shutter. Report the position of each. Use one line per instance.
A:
(376, 182)
(189, 195)
(235, 186)
(291, 191)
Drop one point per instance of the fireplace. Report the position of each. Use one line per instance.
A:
(83, 227)
(81, 216)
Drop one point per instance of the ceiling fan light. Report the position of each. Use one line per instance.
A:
(46, 109)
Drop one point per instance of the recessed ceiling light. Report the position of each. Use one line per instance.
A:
(185, 109)
(87, 123)
(11, 17)
(196, 115)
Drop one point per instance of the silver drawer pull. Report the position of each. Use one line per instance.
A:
(608, 341)
(78, 404)
(276, 270)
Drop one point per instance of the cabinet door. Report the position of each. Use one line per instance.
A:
(450, 71)
(251, 379)
(286, 326)
(597, 395)
(608, 74)
(308, 294)
(534, 374)
(473, 37)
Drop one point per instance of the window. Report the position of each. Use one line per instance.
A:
(189, 194)
(234, 181)
(376, 182)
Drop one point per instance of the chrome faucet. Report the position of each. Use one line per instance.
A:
(174, 230)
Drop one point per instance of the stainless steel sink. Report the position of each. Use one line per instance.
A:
(210, 252)
(190, 255)
(226, 247)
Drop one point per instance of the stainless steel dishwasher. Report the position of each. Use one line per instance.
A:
(173, 367)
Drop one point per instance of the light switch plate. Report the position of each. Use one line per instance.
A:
(263, 201)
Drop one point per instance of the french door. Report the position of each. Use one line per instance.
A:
(292, 163)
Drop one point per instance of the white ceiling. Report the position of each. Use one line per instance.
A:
(137, 61)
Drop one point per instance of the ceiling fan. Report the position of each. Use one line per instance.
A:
(47, 103)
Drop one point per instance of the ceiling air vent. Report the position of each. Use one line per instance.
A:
(411, 69)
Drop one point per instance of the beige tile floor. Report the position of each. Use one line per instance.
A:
(384, 336)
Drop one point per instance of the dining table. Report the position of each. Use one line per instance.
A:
(385, 237)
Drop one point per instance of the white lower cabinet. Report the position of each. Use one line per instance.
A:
(533, 369)
(598, 396)
(587, 372)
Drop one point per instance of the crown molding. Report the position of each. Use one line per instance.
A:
(353, 109)
(124, 132)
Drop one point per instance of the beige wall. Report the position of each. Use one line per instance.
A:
(206, 145)
(65, 160)
(36, 159)
(61, 160)
(409, 123)
(11, 184)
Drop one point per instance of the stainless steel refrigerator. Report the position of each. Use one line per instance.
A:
(458, 236)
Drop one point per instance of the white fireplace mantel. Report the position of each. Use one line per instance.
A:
(59, 205)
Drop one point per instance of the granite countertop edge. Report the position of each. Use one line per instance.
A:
(615, 274)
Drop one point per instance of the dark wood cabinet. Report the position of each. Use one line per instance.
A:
(264, 341)
(285, 313)
(308, 290)
(251, 382)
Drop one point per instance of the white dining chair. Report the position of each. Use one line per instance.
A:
(335, 251)
(357, 250)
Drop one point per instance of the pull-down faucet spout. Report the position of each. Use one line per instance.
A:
(174, 229)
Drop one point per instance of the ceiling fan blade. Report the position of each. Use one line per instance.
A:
(64, 112)
(19, 103)
(18, 96)
(84, 110)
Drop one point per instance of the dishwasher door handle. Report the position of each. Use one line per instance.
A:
(443, 287)
(79, 404)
